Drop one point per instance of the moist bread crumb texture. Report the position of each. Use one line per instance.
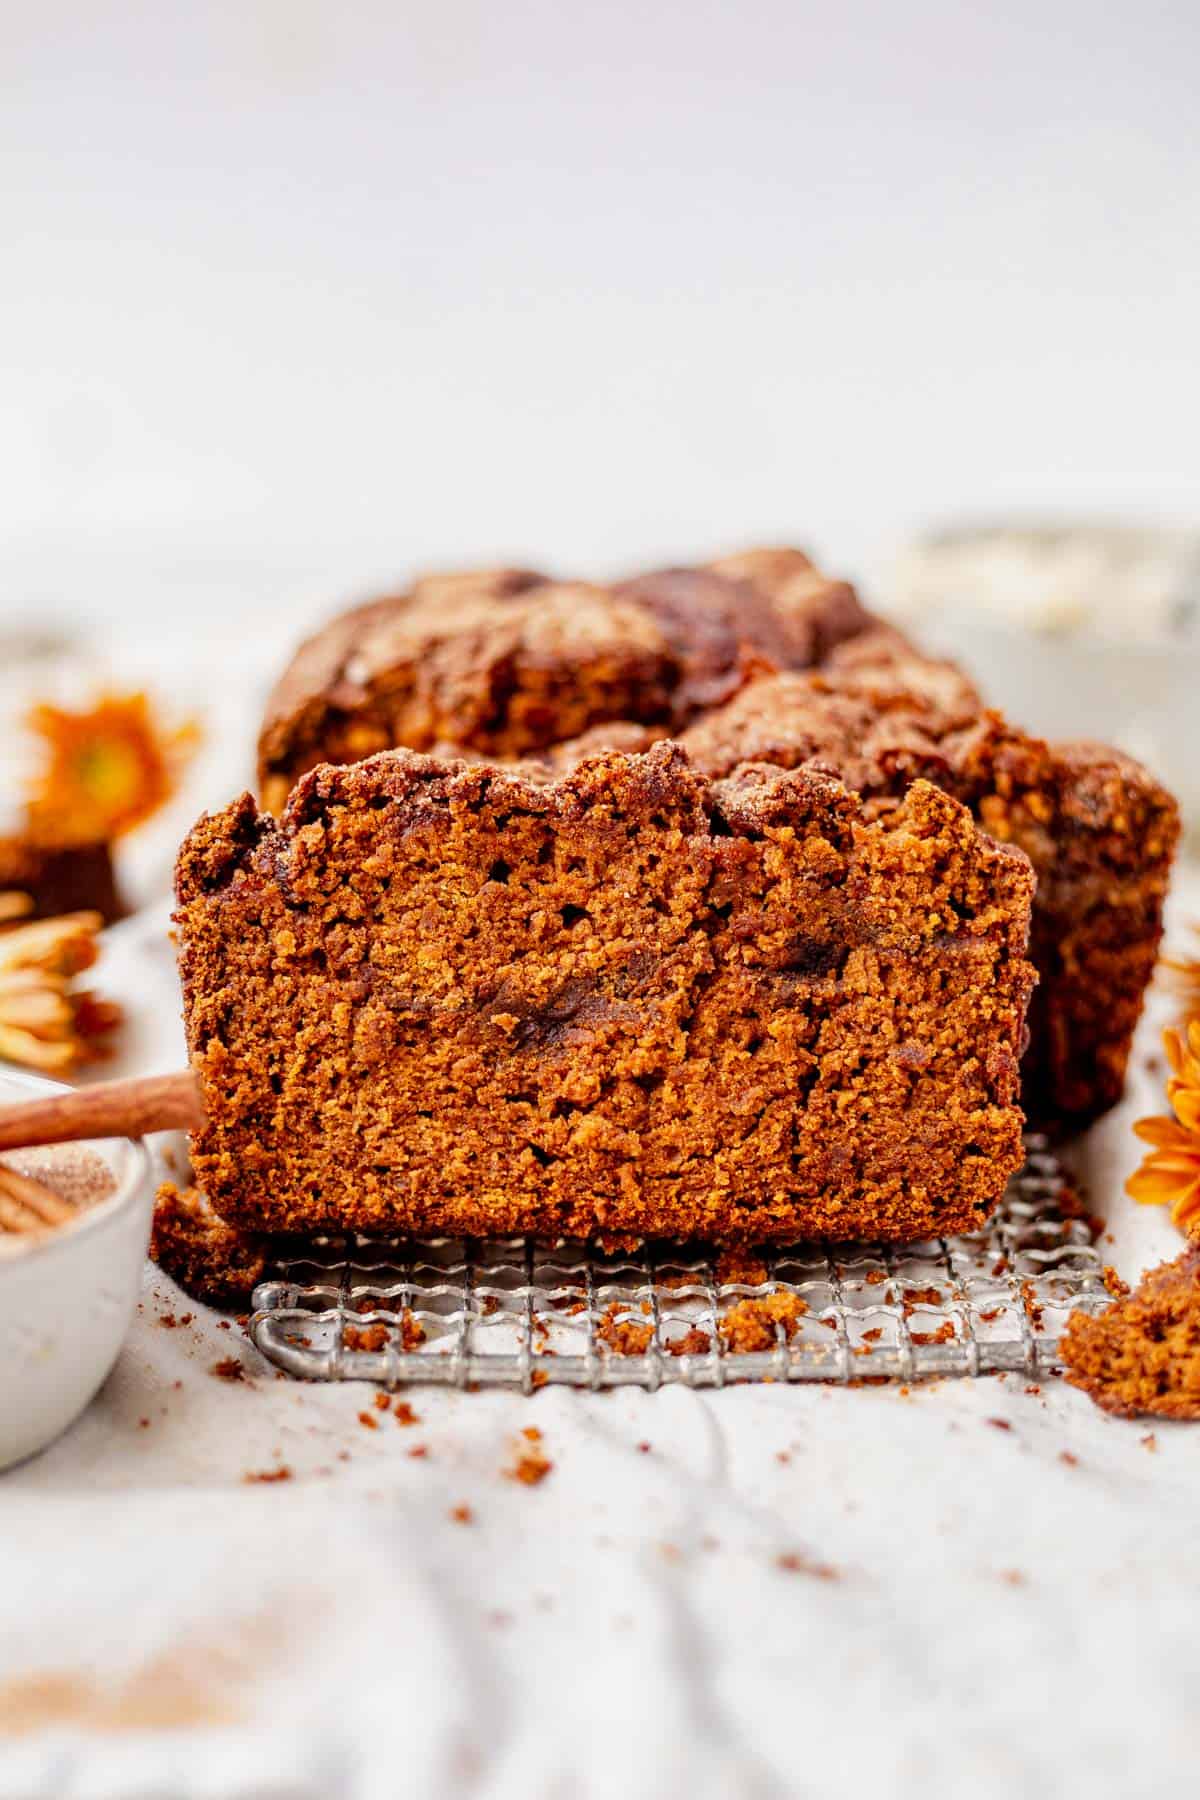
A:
(1143, 1354)
(628, 1000)
(208, 1257)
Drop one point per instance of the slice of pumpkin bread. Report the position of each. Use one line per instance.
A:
(623, 1002)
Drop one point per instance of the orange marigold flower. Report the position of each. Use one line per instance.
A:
(1170, 1174)
(108, 768)
(1182, 976)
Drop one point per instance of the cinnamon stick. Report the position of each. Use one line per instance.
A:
(109, 1109)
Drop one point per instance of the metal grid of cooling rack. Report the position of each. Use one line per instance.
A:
(506, 1313)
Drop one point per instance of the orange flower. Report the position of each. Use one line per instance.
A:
(1170, 1175)
(1183, 977)
(108, 768)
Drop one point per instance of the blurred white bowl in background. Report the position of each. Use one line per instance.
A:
(1075, 630)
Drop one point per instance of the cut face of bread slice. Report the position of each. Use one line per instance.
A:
(619, 1003)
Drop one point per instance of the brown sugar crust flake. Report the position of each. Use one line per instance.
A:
(627, 1001)
(1143, 1354)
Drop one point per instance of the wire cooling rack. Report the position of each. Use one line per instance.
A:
(507, 1313)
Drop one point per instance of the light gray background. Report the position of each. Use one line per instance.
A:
(296, 296)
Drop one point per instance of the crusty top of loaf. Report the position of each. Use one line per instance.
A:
(659, 648)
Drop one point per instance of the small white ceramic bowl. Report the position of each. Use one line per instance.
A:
(67, 1299)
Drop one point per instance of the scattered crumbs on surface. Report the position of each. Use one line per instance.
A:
(751, 1324)
(462, 1515)
(1033, 1388)
(365, 1337)
(1069, 1457)
(538, 1379)
(230, 1368)
(539, 1334)
(419, 1450)
(143, 1424)
(782, 1456)
(873, 1335)
(343, 1456)
(404, 1414)
(1118, 1288)
(171, 1321)
(1000, 1424)
(368, 1421)
(945, 1334)
(694, 1342)
(283, 1473)
(532, 1432)
(531, 1466)
(223, 1325)
(1013, 1577)
(1149, 1442)
(644, 1447)
(736, 1267)
(1033, 1306)
(876, 1277)
(797, 1562)
(412, 1332)
(624, 1337)
(1000, 1266)
(913, 1297)
(993, 1313)
(490, 1305)
(383, 1402)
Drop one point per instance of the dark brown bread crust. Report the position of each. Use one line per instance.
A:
(621, 1002)
(506, 663)
(1100, 832)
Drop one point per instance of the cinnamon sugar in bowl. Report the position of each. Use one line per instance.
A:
(67, 1290)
